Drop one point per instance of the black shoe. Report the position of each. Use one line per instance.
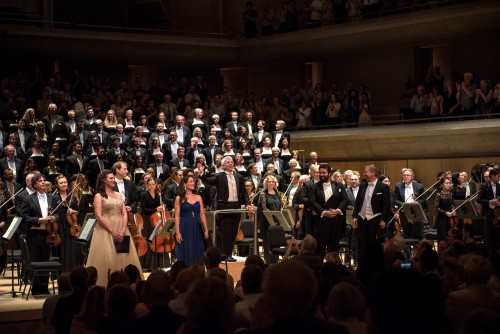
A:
(231, 259)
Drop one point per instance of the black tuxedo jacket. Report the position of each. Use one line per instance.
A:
(230, 126)
(105, 137)
(207, 152)
(285, 134)
(93, 170)
(125, 141)
(381, 200)
(165, 174)
(190, 154)
(219, 180)
(167, 150)
(28, 139)
(72, 166)
(338, 200)
(11, 203)
(351, 200)
(254, 127)
(281, 165)
(175, 163)
(48, 123)
(399, 192)
(19, 168)
(170, 194)
(187, 135)
(485, 195)
(111, 155)
(31, 211)
(257, 142)
(130, 194)
(131, 151)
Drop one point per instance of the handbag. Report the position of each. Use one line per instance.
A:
(124, 246)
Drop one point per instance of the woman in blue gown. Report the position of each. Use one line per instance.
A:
(190, 223)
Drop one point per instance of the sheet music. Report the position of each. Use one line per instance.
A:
(12, 229)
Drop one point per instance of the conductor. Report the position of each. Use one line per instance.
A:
(231, 194)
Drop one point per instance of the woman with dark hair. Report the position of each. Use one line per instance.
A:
(111, 228)
(71, 252)
(443, 206)
(137, 169)
(51, 171)
(190, 223)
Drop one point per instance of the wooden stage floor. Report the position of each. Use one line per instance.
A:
(18, 315)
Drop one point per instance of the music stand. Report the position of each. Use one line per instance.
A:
(14, 225)
(288, 213)
(414, 212)
(277, 218)
(87, 229)
(166, 229)
(465, 210)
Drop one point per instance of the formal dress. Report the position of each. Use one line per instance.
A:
(192, 247)
(102, 253)
(443, 202)
(148, 207)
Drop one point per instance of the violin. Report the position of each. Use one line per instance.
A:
(136, 224)
(74, 227)
(300, 213)
(163, 244)
(397, 225)
(496, 212)
(53, 237)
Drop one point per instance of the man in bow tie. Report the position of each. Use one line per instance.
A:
(329, 200)
(124, 186)
(371, 210)
(409, 191)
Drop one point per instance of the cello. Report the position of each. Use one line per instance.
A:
(163, 244)
(135, 224)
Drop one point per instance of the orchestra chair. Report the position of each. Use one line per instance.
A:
(32, 269)
(245, 245)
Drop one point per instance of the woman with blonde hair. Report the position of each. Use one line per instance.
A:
(110, 121)
(29, 118)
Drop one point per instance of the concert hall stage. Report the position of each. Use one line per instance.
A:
(19, 316)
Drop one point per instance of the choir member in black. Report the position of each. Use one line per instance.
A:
(150, 204)
(3, 245)
(443, 206)
(269, 199)
(70, 251)
(171, 189)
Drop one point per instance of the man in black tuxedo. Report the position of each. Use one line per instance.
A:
(249, 124)
(231, 195)
(90, 120)
(137, 149)
(180, 161)
(36, 214)
(76, 163)
(280, 134)
(352, 191)
(254, 176)
(193, 151)
(161, 170)
(260, 134)
(10, 161)
(407, 191)
(71, 123)
(183, 132)
(329, 200)
(170, 147)
(124, 139)
(82, 134)
(24, 138)
(99, 131)
(171, 189)
(97, 166)
(125, 186)
(233, 125)
(211, 151)
(371, 210)
(19, 200)
(279, 164)
(116, 150)
(52, 118)
(489, 198)
(10, 186)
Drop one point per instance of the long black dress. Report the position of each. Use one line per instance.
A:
(71, 253)
(148, 207)
(270, 202)
(443, 202)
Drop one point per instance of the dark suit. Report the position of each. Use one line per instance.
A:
(94, 170)
(124, 142)
(256, 141)
(130, 194)
(48, 122)
(228, 223)
(485, 195)
(254, 128)
(415, 229)
(16, 187)
(329, 231)
(281, 165)
(232, 127)
(68, 126)
(167, 150)
(4, 138)
(28, 139)
(73, 167)
(351, 199)
(104, 136)
(165, 174)
(35, 233)
(4, 164)
(132, 153)
(186, 133)
(207, 152)
(175, 163)
(170, 194)
(111, 155)
(284, 135)
(368, 229)
(190, 151)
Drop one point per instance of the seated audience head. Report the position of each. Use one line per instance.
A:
(345, 302)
